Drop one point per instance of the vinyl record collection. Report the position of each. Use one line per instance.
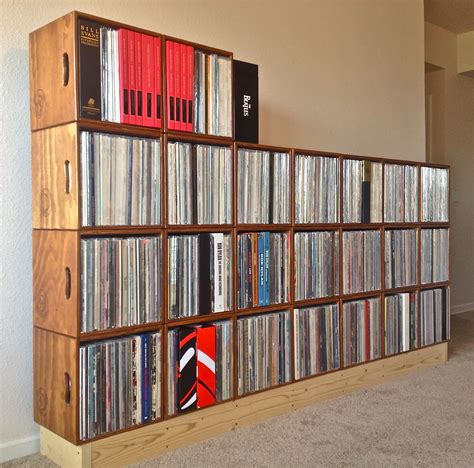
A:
(263, 179)
(316, 264)
(401, 193)
(401, 257)
(316, 331)
(212, 94)
(362, 187)
(401, 322)
(200, 366)
(109, 60)
(120, 384)
(316, 189)
(199, 90)
(200, 274)
(362, 331)
(435, 194)
(435, 316)
(199, 184)
(141, 313)
(361, 261)
(120, 282)
(263, 271)
(434, 255)
(120, 75)
(121, 180)
(264, 351)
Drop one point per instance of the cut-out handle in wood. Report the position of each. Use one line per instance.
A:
(67, 388)
(67, 177)
(65, 69)
(67, 289)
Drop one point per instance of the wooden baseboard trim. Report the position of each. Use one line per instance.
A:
(150, 441)
(461, 308)
(19, 448)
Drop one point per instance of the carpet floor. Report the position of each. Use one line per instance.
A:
(425, 420)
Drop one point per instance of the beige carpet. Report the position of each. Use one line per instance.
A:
(425, 419)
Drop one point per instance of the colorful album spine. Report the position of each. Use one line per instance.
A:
(206, 366)
(132, 77)
(261, 269)
(190, 86)
(170, 72)
(217, 240)
(252, 295)
(123, 76)
(148, 84)
(139, 78)
(255, 269)
(145, 381)
(177, 83)
(187, 370)
(134, 395)
(177, 86)
(156, 101)
(184, 86)
(267, 267)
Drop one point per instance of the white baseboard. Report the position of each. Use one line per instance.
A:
(19, 448)
(460, 308)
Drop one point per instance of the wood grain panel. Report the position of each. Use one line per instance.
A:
(62, 452)
(52, 102)
(149, 441)
(54, 357)
(55, 177)
(53, 252)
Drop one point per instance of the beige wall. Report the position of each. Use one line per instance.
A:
(452, 98)
(465, 47)
(341, 75)
(440, 49)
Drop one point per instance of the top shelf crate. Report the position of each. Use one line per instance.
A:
(134, 78)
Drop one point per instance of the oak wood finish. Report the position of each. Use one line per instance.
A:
(55, 178)
(53, 253)
(51, 101)
(55, 362)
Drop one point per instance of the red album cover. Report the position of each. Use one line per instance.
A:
(156, 101)
(139, 78)
(132, 77)
(148, 83)
(171, 90)
(123, 75)
(206, 366)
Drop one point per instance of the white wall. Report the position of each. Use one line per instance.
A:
(340, 75)
(452, 98)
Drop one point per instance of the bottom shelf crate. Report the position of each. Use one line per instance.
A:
(151, 440)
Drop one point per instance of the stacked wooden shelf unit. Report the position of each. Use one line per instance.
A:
(57, 232)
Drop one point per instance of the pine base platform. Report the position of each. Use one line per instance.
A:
(154, 439)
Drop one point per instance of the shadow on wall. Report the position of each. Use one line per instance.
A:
(16, 406)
